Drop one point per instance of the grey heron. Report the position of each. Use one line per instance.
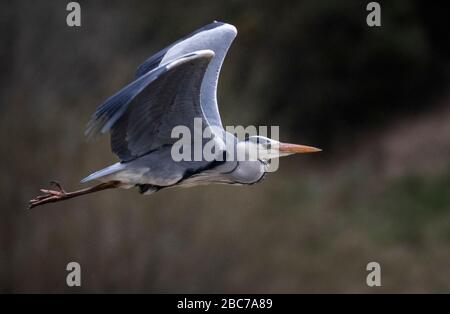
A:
(173, 87)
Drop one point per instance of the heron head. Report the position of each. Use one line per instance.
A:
(266, 148)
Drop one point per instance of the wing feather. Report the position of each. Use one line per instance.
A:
(142, 115)
(216, 36)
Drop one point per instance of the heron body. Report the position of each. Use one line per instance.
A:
(157, 170)
(172, 88)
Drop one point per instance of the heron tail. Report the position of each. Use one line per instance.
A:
(99, 175)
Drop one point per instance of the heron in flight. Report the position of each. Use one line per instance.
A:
(171, 88)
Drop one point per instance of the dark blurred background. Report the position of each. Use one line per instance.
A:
(375, 99)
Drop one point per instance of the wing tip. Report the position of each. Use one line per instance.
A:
(231, 28)
(222, 25)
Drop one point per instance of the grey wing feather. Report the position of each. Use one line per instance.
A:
(141, 116)
(216, 36)
(151, 63)
(113, 108)
(155, 60)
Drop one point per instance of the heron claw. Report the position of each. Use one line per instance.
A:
(48, 195)
(58, 185)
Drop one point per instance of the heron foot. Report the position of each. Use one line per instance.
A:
(49, 196)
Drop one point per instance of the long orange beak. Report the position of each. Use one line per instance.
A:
(296, 149)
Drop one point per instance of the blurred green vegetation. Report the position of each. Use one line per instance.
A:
(375, 99)
(412, 207)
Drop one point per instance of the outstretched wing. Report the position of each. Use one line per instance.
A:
(217, 37)
(155, 60)
(142, 115)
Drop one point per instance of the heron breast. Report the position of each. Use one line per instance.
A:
(248, 172)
